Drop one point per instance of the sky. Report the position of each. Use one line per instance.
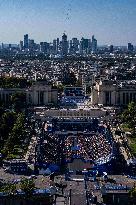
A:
(111, 21)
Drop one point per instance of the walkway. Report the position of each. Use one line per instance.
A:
(123, 149)
(77, 193)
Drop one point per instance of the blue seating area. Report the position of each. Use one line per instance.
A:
(113, 187)
(35, 192)
(132, 177)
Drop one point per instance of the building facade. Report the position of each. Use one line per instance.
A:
(112, 93)
(38, 94)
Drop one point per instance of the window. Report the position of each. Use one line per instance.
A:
(123, 98)
(133, 97)
(127, 98)
(119, 98)
(41, 97)
(130, 97)
(107, 98)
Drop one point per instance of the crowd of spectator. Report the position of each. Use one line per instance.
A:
(51, 149)
(88, 147)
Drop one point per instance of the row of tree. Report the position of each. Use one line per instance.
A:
(16, 135)
(129, 116)
(12, 82)
(8, 120)
(26, 185)
(15, 132)
(129, 121)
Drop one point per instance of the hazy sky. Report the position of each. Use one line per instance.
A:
(111, 21)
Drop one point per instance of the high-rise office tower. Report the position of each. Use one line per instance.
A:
(21, 45)
(10, 47)
(31, 44)
(64, 48)
(44, 47)
(75, 44)
(26, 41)
(94, 44)
(2, 46)
(89, 46)
(70, 47)
(54, 46)
(84, 45)
(130, 47)
(58, 44)
(81, 46)
(111, 49)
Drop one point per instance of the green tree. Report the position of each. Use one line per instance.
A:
(129, 116)
(12, 82)
(27, 185)
(69, 78)
(132, 192)
(7, 122)
(18, 101)
(17, 133)
(8, 188)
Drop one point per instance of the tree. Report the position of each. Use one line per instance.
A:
(69, 78)
(8, 188)
(27, 185)
(18, 101)
(13, 82)
(7, 122)
(17, 133)
(129, 116)
(132, 192)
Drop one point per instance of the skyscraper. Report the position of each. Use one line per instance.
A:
(54, 46)
(111, 49)
(64, 45)
(70, 47)
(26, 41)
(31, 44)
(130, 47)
(58, 44)
(84, 45)
(44, 47)
(94, 44)
(21, 45)
(75, 44)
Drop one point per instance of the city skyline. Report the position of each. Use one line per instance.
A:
(111, 22)
(30, 38)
